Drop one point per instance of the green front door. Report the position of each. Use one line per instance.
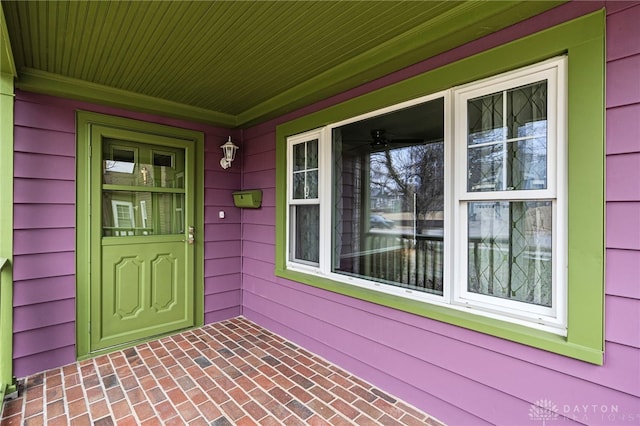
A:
(142, 236)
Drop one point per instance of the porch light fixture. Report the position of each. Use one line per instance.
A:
(229, 151)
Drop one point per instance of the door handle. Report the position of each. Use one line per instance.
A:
(191, 235)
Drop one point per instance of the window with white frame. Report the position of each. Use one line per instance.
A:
(510, 194)
(303, 199)
(456, 199)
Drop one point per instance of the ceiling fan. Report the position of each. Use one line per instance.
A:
(380, 140)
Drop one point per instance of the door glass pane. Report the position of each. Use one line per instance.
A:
(162, 160)
(123, 155)
(138, 164)
(169, 213)
(126, 214)
(510, 252)
(167, 168)
(388, 206)
(507, 140)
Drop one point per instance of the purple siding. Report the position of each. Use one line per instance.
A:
(457, 375)
(623, 237)
(623, 180)
(43, 290)
(623, 270)
(623, 177)
(44, 229)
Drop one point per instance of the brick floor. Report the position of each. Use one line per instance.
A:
(229, 373)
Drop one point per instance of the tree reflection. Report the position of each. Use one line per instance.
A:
(402, 176)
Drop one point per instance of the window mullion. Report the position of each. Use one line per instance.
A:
(451, 205)
(505, 147)
(325, 199)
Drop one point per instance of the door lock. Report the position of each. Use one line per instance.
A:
(191, 235)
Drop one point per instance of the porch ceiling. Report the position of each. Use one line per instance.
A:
(234, 63)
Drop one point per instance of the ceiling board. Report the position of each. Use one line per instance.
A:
(243, 59)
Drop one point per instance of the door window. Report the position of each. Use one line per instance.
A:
(143, 189)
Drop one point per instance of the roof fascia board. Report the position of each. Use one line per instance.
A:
(56, 85)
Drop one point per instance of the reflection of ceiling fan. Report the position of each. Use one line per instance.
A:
(380, 140)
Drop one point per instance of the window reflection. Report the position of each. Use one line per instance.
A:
(141, 165)
(127, 213)
(507, 142)
(388, 178)
(144, 189)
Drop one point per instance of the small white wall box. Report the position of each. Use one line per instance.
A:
(250, 199)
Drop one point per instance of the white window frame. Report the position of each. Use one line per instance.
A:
(328, 186)
(548, 318)
(116, 217)
(455, 295)
(292, 262)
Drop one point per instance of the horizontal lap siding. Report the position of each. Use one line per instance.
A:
(457, 375)
(258, 234)
(622, 304)
(222, 263)
(223, 297)
(45, 234)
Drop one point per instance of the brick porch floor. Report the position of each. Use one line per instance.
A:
(229, 373)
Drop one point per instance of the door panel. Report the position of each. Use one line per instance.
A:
(165, 273)
(142, 285)
(126, 287)
(143, 291)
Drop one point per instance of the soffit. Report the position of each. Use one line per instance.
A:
(234, 62)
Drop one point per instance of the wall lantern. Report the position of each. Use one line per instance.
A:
(229, 151)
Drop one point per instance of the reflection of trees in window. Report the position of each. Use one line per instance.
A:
(405, 187)
(399, 174)
(388, 189)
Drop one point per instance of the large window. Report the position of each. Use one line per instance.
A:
(454, 199)
(479, 203)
